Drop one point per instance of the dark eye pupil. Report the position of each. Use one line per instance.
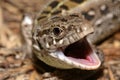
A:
(56, 31)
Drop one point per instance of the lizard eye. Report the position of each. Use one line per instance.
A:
(57, 31)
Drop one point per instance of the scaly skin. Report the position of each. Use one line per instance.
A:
(101, 14)
(55, 29)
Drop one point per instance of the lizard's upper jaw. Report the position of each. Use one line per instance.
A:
(79, 54)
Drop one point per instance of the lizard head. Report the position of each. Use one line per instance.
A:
(60, 41)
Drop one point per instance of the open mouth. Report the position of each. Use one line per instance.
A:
(79, 54)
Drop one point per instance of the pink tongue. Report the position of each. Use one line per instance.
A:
(88, 61)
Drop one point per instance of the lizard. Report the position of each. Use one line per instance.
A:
(65, 30)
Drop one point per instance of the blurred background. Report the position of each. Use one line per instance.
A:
(11, 14)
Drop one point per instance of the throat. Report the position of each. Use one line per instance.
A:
(79, 50)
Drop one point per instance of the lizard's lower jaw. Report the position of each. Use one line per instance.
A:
(79, 55)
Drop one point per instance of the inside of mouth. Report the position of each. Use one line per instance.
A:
(79, 50)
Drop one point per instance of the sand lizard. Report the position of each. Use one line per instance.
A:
(65, 30)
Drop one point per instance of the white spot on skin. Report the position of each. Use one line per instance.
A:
(91, 13)
(78, 30)
(98, 22)
(103, 7)
(84, 28)
(27, 20)
(54, 42)
(61, 41)
(36, 47)
(47, 45)
(108, 16)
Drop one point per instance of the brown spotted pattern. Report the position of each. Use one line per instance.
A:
(57, 6)
(99, 13)
(60, 31)
(64, 22)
